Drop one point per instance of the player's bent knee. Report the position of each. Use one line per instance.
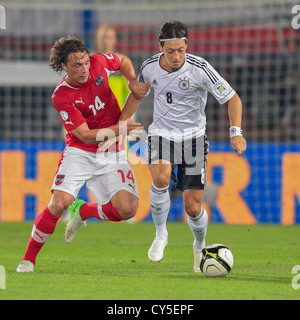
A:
(128, 210)
(58, 207)
(60, 202)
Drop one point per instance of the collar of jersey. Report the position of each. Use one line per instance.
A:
(73, 86)
(169, 72)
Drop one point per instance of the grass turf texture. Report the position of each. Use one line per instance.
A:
(109, 261)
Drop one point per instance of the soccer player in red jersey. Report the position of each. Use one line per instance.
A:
(90, 113)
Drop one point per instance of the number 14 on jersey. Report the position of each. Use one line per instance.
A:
(97, 106)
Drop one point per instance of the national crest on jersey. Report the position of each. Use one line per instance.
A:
(180, 96)
(184, 84)
(99, 80)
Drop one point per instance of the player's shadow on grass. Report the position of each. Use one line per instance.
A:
(232, 277)
(262, 278)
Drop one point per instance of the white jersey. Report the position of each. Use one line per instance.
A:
(180, 96)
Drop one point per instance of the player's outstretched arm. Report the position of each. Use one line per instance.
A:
(130, 107)
(139, 89)
(90, 136)
(237, 141)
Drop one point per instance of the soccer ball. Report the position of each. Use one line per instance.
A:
(216, 260)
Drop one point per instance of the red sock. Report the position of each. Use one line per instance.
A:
(89, 210)
(43, 227)
(105, 212)
(110, 213)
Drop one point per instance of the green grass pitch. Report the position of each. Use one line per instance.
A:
(108, 261)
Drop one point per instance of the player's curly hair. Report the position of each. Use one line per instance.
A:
(61, 50)
(172, 29)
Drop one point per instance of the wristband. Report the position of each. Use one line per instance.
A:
(235, 131)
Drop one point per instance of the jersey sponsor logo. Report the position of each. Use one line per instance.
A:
(59, 179)
(154, 83)
(64, 115)
(69, 122)
(184, 84)
(79, 101)
(221, 88)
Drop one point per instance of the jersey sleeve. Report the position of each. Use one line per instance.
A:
(142, 77)
(70, 116)
(215, 84)
(110, 61)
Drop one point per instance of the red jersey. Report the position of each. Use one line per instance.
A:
(93, 102)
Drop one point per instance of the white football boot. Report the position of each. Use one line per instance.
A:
(197, 261)
(25, 266)
(156, 251)
(75, 220)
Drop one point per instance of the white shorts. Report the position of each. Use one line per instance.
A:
(104, 174)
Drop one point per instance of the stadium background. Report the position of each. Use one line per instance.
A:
(251, 43)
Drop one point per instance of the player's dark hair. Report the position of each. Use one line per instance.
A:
(61, 50)
(172, 29)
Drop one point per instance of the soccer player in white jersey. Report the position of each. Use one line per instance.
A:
(177, 137)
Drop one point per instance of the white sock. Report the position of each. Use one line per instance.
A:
(198, 226)
(160, 206)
